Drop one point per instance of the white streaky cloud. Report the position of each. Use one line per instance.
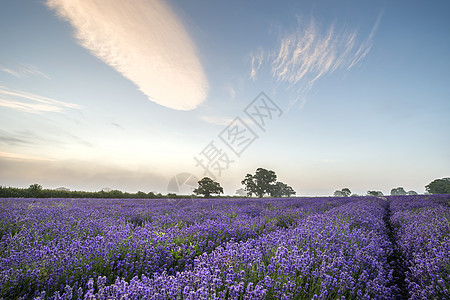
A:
(365, 48)
(21, 157)
(20, 70)
(256, 60)
(32, 103)
(29, 107)
(145, 42)
(308, 53)
(311, 52)
(11, 72)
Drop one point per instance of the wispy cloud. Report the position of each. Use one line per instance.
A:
(31, 103)
(20, 70)
(14, 141)
(365, 47)
(117, 125)
(27, 138)
(217, 120)
(231, 91)
(145, 42)
(310, 52)
(10, 139)
(256, 60)
(21, 157)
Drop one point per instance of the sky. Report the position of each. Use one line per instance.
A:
(152, 95)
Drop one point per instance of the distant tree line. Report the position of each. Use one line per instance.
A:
(345, 192)
(262, 183)
(437, 186)
(36, 191)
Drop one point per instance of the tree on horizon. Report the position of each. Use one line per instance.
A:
(206, 187)
(439, 186)
(345, 192)
(398, 191)
(264, 182)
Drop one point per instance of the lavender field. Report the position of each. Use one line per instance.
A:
(393, 247)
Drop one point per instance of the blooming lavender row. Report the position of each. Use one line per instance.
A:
(48, 244)
(423, 231)
(341, 253)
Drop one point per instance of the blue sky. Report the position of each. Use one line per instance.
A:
(127, 95)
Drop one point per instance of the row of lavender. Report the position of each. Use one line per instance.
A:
(49, 244)
(318, 248)
(422, 226)
(341, 253)
(329, 250)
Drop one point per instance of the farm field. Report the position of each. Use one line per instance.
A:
(394, 247)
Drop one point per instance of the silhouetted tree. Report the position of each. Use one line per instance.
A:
(374, 193)
(35, 187)
(280, 189)
(398, 191)
(35, 190)
(261, 183)
(264, 182)
(250, 185)
(141, 195)
(411, 193)
(345, 192)
(338, 194)
(206, 187)
(439, 186)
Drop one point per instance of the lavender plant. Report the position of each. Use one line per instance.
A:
(423, 231)
(299, 248)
